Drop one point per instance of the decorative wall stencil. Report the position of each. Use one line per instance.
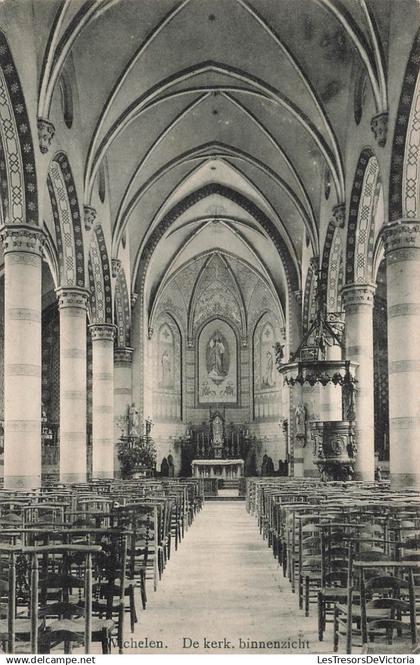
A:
(100, 272)
(217, 364)
(122, 310)
(67, 222)
(404, 165)
(216, 293)
(335, 273)
(167, 361)
(361, 229)
(267, 388)
(309, 298)
(17, 143)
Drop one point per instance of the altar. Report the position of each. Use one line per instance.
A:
(226, 469)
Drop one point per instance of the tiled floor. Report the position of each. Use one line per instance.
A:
(224, 586)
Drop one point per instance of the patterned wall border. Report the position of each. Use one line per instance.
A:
(396, 204)
(67, 220)
(325, 264)
(17, 142)
(122, 310)
(309, 288)
(102, 277)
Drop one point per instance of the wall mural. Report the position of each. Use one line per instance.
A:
(167, 371)
(267, 390)
(217, 364)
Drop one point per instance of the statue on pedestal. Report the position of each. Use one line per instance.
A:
(300, 422)
(133, 421)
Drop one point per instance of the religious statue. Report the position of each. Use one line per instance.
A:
(300, 421)
(279, 353)
(216, 360)
(133, 421)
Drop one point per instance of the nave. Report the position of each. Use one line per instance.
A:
(155, 565)
(225, 584)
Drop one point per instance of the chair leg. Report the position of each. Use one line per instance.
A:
(320, 619)
(300, 591)
(133, 614)
(336, 634)
(307, 590)
(143, 588)
(105, 642)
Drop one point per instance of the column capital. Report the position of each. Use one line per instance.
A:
(314, 263)
(358, 294)
(46, 131)
(339, 215)
(72, 297)
(123, 356)
(133, 298)
(102, 331)
(379, 127)
(401, 234)
(22, 238)
(89, 217)
(116, 267)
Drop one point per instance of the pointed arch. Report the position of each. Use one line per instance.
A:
(67, 221)
(332, 268)
(335, 273)
(361, 227)
(229, 298)
(21, 191)
(100, 278)
(404, 183)
(188, 201)
(309, 298)
(122, 309)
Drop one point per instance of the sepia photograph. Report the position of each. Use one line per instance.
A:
(209, 328)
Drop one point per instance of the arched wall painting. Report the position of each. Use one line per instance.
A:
(167, 371)
(217, 364)
(267, 390)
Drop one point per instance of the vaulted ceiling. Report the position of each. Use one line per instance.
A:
(178, 95)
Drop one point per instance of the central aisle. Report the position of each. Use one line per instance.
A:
(223, 584)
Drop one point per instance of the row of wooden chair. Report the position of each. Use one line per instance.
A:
(74, 558)
(348, 548)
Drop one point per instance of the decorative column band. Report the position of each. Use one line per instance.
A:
(72, 297)
(123, 356)
(22, 238)
(358, 294)
(401, 234)
(102, 331)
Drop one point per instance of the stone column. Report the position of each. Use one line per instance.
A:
(22, 247)
(72, 303)
(102, 400)
(402, 251)
(123, 360)
(358, 305)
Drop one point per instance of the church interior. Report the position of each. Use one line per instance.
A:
(209, 326)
